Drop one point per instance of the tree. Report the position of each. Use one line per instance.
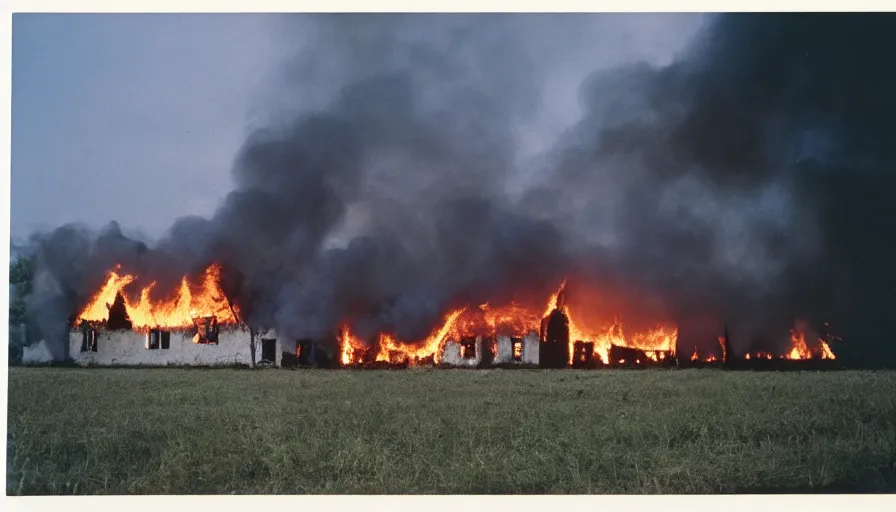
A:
(21, 278)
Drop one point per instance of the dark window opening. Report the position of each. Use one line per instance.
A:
(583, 353)
(152, 339)
(88, 340)
(157, 338)
(206, 331)
(468, 349)
(269, 350)
(516, 345)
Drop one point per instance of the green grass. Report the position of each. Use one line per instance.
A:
(185, 431)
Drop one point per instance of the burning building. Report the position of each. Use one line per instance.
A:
(197, 325)
(216, 346)
(124, 323)
(399, 197)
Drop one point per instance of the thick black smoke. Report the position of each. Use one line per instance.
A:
(751, 178)
(746, 182)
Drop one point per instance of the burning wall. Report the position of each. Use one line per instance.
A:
(518, 350)
(126, 324)
(466, 353)
(724, 203)
(129, 347)
(117, 328)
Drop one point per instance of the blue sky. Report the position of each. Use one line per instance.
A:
(134, 118)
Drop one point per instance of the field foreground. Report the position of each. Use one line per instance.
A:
(186, 431)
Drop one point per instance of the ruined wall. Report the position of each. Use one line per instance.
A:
(129, 348)
(531, 349)
(281, 346)
(529, 346)
(452, 355)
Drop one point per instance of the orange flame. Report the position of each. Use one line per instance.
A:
(659, 339)
(177, 312)
(759, 355)
(98, 308)
(394, 351)
(799, 349)
(349, 344)
(826, 352)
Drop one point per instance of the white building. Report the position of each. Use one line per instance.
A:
(503, 350)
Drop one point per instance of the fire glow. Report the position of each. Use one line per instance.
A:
(511, 320)
(179, 311)
(203, 304)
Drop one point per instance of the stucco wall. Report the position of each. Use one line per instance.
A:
(451, 355)
(529, 350)
(129, 348)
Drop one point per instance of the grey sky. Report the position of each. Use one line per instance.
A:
(132, 118)
(137, 118)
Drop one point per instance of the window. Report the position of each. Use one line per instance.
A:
(206, 330)
(583, 353)
(152, 339)
(157, 338)
(517, 345)
(88, 340)
(468, 348)
(269, 350)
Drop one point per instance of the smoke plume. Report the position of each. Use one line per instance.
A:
(743, 182)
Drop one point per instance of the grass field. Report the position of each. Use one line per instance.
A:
(185, 431)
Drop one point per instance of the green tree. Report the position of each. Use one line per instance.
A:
(21, 277)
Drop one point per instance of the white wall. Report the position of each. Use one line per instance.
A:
(529, 350)
(451, 355)
(129, 348)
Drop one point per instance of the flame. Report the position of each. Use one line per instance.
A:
(394, 351)
(800, 350)
(177, 312)
(98, 308)
(349, 345)
(826, 352)
(203, 303)
(660, 339)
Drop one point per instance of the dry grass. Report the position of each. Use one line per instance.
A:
(183, 431)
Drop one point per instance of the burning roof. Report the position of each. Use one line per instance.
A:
(192, 305)
(201, 305)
